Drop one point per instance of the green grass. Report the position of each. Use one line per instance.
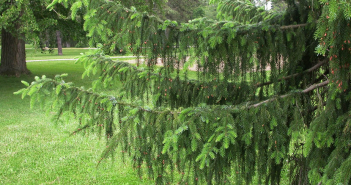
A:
(68, 53)
(34, 150)
(35, 54)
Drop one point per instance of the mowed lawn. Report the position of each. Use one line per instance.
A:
(36, 54)
(35, 150)
(67, 53)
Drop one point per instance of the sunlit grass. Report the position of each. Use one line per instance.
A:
(67, 53)
(33, 53)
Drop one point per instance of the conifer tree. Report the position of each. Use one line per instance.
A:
(270, 104)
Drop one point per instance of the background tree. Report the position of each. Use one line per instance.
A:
(182, 10)
(26, 20)
(69, 31)
(13, 18)
(270, 103)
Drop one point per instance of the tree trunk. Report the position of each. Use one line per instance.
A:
(47, 39)
(59, 42)
(68, 44)
(13, 55)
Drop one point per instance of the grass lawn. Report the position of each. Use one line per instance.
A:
(35, 54)
(34, 150)
(68, 53)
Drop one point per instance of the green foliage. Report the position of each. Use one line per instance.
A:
(32, 20)
(264, 108)
(242, 11)
(183, 10)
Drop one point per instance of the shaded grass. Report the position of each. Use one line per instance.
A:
(34, 150)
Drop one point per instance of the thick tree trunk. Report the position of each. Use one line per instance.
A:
(13, 55)
(59, 42)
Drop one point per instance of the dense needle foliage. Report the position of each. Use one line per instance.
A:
(270, 104)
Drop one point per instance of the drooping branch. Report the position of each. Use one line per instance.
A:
(231, 107)
(241, 28)
(297, 74)
(315, 86)
(310, 88)
(293, 26)
(114, 101)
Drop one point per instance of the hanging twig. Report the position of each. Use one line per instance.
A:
(293, 26)
(297, 74)
(310, 88)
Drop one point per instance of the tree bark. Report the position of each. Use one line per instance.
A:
(59, 42)
(13, 55)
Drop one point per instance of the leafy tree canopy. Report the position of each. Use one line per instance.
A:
(30, 20)
(32, 15)
(270, 104)
(34, 18)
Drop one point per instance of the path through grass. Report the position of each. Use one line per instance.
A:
(34, 150)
